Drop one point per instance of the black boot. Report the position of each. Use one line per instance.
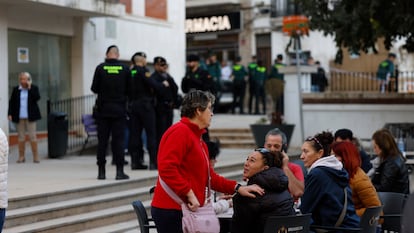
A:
(101, 172)
(120, 175)
(136, 164)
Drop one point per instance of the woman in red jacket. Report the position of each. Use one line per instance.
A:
(183, 162)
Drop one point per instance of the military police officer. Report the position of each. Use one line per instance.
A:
(142, 113)
(166, 98)
(110, 82)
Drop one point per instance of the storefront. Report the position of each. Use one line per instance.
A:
(218, 34)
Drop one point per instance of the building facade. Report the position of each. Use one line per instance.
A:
(61, 42)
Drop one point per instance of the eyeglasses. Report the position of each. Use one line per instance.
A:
(309, 139)
(262, 150)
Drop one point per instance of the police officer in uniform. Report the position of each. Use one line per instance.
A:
(165, 98)
(252, 70)
(197, 78)
(110, 83)
(239, 75)
(142, 113)
(259, 78)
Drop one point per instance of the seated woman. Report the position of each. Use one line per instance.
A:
(326, 184)
(363, 192)
(392, 174)
(263, 168)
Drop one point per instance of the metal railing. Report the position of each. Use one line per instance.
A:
(345, 81)
(74, 108)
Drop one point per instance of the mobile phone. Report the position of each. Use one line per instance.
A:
(284, 148)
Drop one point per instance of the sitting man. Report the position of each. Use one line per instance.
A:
(276, 140)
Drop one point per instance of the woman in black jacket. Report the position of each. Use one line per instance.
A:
(392, 173)
(264, 169)
(24, 112)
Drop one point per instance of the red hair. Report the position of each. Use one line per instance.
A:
(350, 156)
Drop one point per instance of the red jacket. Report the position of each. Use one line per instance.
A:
(182, 164)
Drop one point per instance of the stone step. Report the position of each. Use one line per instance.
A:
(105, 212)
(132, 225)
(34, 200)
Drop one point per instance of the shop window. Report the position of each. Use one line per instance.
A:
(156, 9)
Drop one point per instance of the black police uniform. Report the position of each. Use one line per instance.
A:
(198, 80)
(165, 103)
(110, 82)
(142, 116)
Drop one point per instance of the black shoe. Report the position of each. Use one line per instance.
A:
(153, 167)
(138, 167)
(101, 173)
(121, 176)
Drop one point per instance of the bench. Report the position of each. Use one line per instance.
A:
(90, 127)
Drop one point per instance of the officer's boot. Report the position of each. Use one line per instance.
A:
(21, 152)
(35, 152)
(101, 172)
(136, 163)
(120, 175)
(153, 159)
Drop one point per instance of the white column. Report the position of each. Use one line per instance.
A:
(293, 100)
(4, 70)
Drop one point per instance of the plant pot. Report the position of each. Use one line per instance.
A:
(260, 130)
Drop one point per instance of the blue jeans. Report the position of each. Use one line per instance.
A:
(2, 218)
(167, 220)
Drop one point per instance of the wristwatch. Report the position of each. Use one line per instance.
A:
(236, 189)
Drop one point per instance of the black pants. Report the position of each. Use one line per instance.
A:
(260, 95)
(115, 128)
(251, 96)
(167, 221)
(239, 90)
(164, 119)
(142, 117)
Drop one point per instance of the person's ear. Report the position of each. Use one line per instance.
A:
(265, 167)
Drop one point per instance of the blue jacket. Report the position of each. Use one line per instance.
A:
(324, 194)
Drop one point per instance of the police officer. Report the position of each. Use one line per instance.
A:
(259, 78)
(165, 98)
(110, 82)
(142, 113)
(252, 70)
(197, 78)
(239, 75)
(278, 82)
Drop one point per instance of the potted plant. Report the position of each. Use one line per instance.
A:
(263, 125)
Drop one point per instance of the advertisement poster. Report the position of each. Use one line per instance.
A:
(22, 55)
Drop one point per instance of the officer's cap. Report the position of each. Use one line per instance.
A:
(160, 61)
(193, 57)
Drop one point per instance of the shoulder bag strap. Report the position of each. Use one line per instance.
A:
(169, 191)
(342, 216)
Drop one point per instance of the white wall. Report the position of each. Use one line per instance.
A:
(152, 36)
(89, 41)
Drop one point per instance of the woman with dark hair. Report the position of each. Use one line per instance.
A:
(327, 193)
(263, 168)
(392, 173)
(183, 165)
(364, 194)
